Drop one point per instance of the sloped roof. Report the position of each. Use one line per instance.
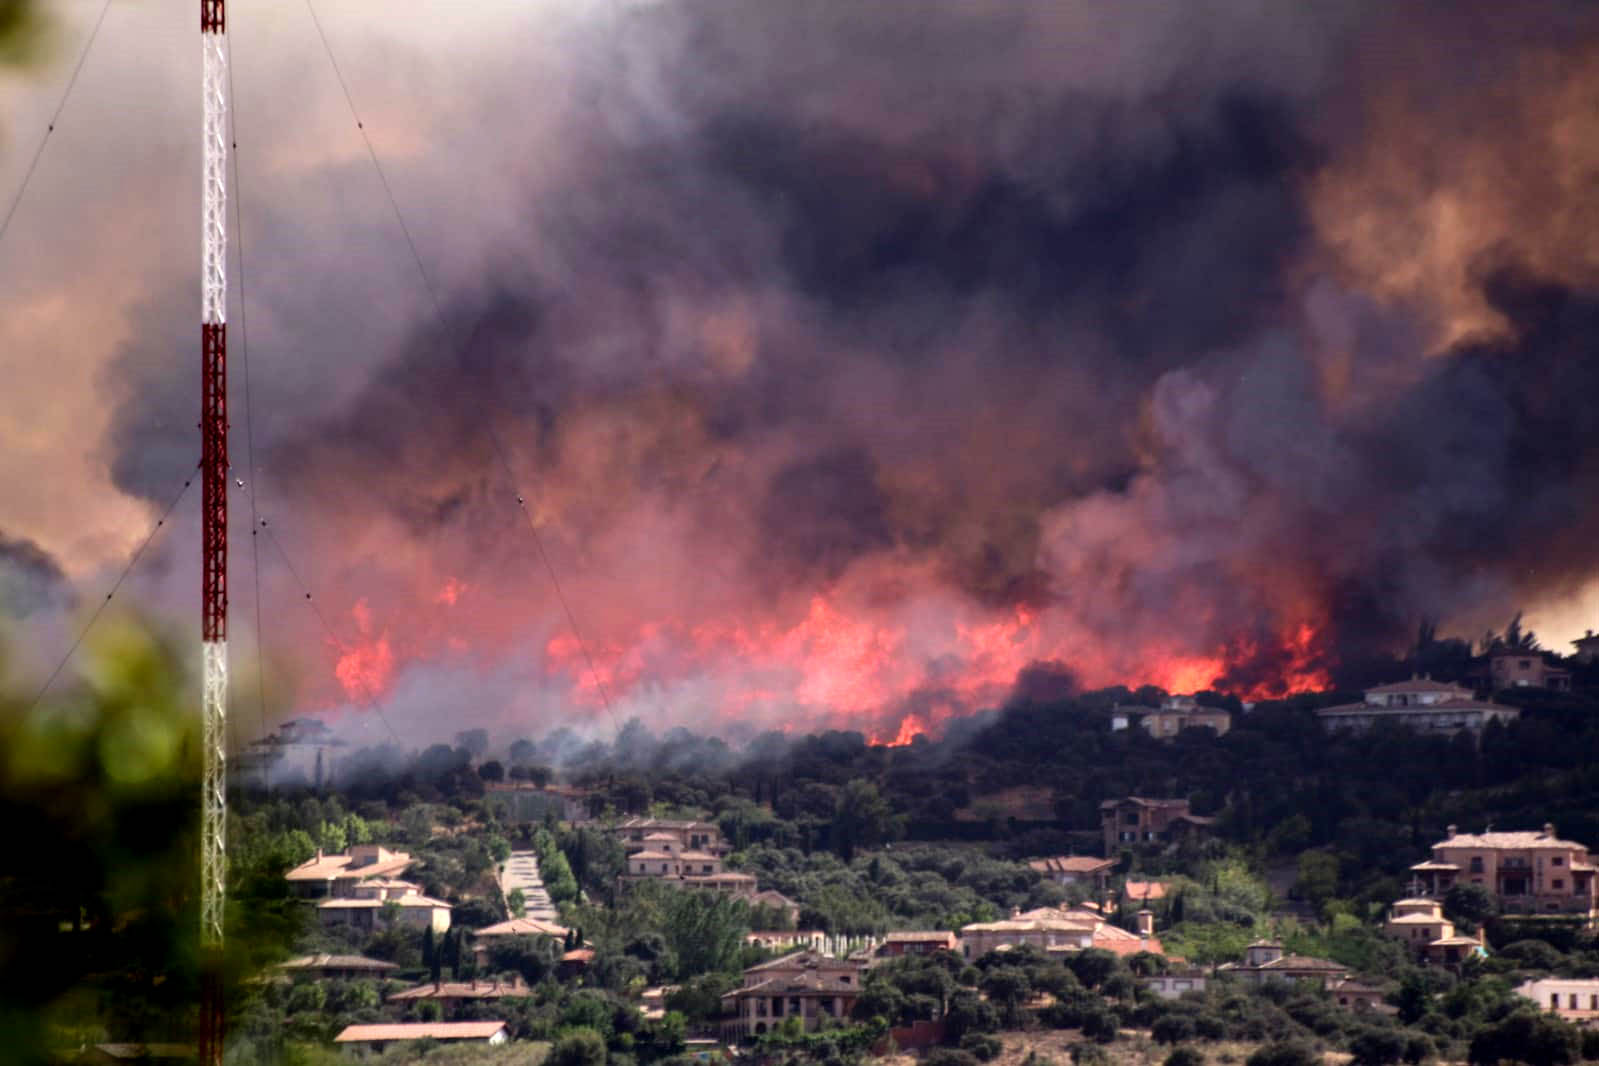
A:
(463, 990)
(1416, 684)
(1071, 864)
(1144, 890)
(330, 867)
(419, 1031)
(523, 927)
(1526, 839)
(1141, 801)
(336, 962)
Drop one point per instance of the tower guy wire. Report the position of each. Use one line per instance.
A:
(133, 561)
(436, 306)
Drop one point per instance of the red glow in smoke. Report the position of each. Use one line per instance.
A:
(849, 669)
(365, 667)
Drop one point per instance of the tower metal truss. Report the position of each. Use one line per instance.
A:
(213, 523)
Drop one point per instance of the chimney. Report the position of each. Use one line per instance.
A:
(1015, 912)
(318, 854)
(1549, 830)
(1146, 923)
(1450, 829)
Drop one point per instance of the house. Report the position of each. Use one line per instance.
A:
(1519, 668)
(686, 852)
(450, 992)
(1421, 704)
(898, 945)
(301, 750)
(806, 985)
(1420, 925)
(1587, 648)
(1060, 931)
(644, 834)
(338, 875)
(1143, 893)
(1174, 984)
(1359, 996)
(379, 1036)
(1137, 820)
(573, 963)
(524, 801)
(1178, 713)
(1092, 873)
(382, 902)
(1529, 873)
(336, 967)
(1575, 999)
(523, 927)
(1264, 961)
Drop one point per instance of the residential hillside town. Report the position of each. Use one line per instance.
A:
(1394, 872)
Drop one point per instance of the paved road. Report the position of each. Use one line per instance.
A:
(521, 870)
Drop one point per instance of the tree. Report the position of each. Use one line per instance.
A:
(430, 954)
(861, 817)
(491, 771)
(1378, 1047)
(1470, 904)
(1529, 1037)
(523, 752)
(1284, 1053)
(517, 902)
(580, 1047)
(475, 741)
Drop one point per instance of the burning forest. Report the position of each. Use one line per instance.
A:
(839, 376)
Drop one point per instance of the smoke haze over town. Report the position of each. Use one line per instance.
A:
(847, 359)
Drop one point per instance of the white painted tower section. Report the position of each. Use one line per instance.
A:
(214, 310)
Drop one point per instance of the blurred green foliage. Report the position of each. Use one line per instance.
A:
(99, 882)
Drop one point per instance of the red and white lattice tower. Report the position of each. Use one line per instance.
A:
(214, 522)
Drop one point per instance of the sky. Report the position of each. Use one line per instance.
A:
(846, 359)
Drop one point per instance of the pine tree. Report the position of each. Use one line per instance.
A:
(430, 954)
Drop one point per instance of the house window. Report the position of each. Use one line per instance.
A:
(1557, 861)
(1573, 1001)
(1554, 1001)
(663, 867)
(1558, 884)
(1476, 864)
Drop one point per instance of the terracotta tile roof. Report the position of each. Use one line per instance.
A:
(807, 958)
(1417, 684)
(1144, 890)
(773, 898)
(1141, 801)
(336, 962)
(342, 904)
(463, 990)
(1072, 864)
(1131, 945)
(332, 867)
(579, 955)
(1303, 963)
(648, 855)
(697, 856)
(523, 927)
(1526, 839)
(419, 1031)
(918, 937)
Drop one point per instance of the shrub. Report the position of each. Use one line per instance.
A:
(948, 1056)
(1173, 1029)
(1089, 1055)
(579, 1047)
(1284, 1053)
(983, 1047)
(1377, 1047)
(1100, 1024)
(1185, 1056)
